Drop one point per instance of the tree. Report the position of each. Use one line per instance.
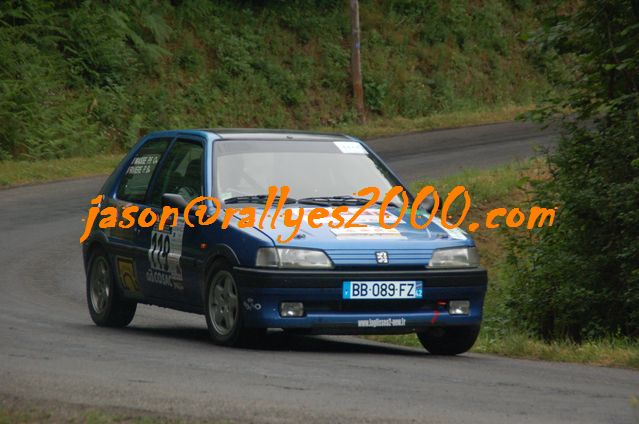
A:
(580, 278)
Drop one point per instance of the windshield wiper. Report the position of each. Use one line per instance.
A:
(391, 204)
(333, 200)
(319, 200)
(340, 200)
(255, 198)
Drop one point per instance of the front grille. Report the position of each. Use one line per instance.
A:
(364, 257)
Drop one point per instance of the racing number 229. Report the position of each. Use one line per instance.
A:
(159, 251)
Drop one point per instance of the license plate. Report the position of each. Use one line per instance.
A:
(382, 290)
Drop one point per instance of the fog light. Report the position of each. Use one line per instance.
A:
(459, 307)
(292, 309)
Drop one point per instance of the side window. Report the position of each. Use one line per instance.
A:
(135, 180)
(181, 172)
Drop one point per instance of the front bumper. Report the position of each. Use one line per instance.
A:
(262, 291)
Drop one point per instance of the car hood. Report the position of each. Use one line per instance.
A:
(404, 244)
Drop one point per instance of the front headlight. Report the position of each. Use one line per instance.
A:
(284, 257)
(456, 257)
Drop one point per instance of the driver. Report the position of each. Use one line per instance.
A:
(190, 187)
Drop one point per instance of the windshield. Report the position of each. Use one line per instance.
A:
(309, 168)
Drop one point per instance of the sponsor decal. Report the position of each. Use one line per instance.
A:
(350, 147)
(143, 164)
(367, 232)
(251, 305)
(378, 322)
(164, 256)
(366, 216)
(127, 274)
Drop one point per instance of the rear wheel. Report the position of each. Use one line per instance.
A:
(449, 340)
(224, 317)
(106, 306)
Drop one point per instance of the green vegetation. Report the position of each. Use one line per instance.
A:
(608, 352)
(25, 415)
(79, 78)
(19, 172)
(504, 330)
(23, 412)
(382, 126)
(87, 78)
(580, 279)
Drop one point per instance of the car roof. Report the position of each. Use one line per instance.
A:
(254, 134)
(271, 134)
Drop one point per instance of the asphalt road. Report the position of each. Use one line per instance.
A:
(437, 153)
(51, 352)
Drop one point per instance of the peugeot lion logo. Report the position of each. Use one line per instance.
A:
(381, 257)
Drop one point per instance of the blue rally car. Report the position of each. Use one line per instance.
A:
(363, 280)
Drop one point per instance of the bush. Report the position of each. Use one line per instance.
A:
(580, 278)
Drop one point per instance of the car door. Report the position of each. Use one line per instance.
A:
(167, 256)
(131, 191)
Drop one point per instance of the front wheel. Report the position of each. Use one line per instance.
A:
(449, 340)
(224, 317)
(106, 306)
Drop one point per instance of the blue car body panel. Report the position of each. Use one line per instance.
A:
(263, 290)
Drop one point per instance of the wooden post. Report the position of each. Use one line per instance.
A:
(356, 66)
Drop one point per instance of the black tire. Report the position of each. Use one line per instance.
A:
(449, 340)
(112, 309)
(227, 332)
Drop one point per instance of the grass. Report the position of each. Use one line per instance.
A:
(488, 186)
(613, 352)
(22, 414)
(380, 127)
(502, 187)
(610, 353)
(18, 411)
(14, 173)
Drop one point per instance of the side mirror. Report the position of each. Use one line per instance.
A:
(174, 200)
(427, 204)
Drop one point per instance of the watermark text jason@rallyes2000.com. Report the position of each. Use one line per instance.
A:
(339, 219)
